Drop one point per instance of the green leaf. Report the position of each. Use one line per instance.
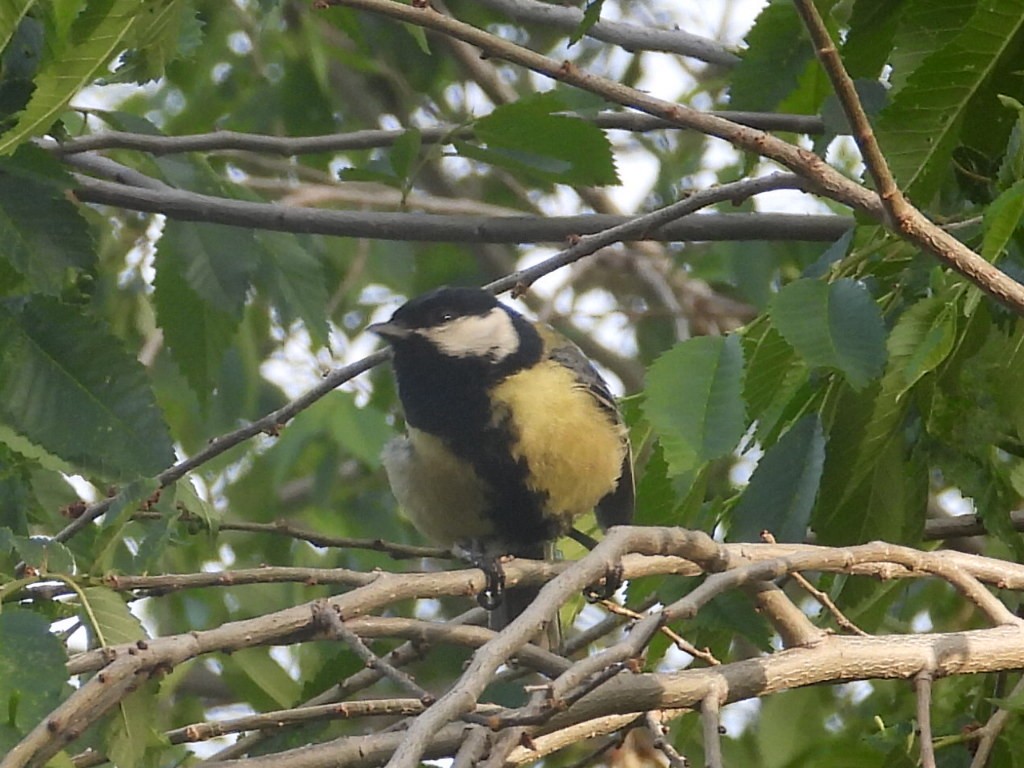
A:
(783, 488)
(130, 731)
(920, 341)
(295, 280)
(156, 43)
(834, 325)
(11, 13)
(44, 555)
(108, 616)
(776, 57)
(100, 33)
(42, 235)
(770, 361)
(405, 151)
(870, 37)
(217, 262)
(924, 27)
(67, 385)
(694, 400)
(362, 431)
(1012, 167)
(33, 671)
(197, 330)
(1002, 218)
(886, 501)
(257, 668)
(591, 15)
(920, 129)
(185, 494)
(526, 136)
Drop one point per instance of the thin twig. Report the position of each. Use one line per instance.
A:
(473, 748)
(829, 605)
(678, 640)
(386, 225)
(711, 722)
(825, 180)
(632, 37)
(330, 622)
(658, 731)
(988, 733)
(923, 692)
(290, 146)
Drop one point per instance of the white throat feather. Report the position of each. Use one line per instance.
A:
(491, 336)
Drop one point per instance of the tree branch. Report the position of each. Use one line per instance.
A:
(823, 179)
(629, 36)
(288, 146)
(192, 206)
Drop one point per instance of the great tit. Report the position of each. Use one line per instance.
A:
(512, 434)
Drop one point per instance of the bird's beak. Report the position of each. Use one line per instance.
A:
(389, 331)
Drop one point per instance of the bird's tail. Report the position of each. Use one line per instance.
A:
(515, 600)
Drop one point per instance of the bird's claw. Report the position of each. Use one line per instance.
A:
(606, 587)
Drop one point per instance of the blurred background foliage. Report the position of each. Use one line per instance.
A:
(872, 389)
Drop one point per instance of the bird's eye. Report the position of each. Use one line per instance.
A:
(447, 316)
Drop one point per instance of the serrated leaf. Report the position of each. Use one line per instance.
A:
(591, 15)
(920, 129)
(1002, 218)
(783, 487)
(527, 136)
(367, 174)
(11, 13)
(33, 668)
(294, 277)
(405, 151)
(42, 235)
(921, 339)
(887, 501)
(923, 28)
(694, 400)
(776, 57)
(362, 431)
(185, 495)
(870, 37)
(769, 361)
(68, 386)
(196, 330)
(108, 616)
(217, 262)
(99, 34)
(1012, 167)
(834, 325)
(262, 670)
(44, 555)
(155, 43)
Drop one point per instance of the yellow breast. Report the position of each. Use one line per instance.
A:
(573, 448)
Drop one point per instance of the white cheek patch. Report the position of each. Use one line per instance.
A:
(491, 335)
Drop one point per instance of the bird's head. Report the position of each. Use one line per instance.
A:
(458, 323)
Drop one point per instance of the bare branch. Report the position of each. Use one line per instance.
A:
(711, 722)
(991, 730)
(824, 179)
(923, 692)
(629, 36)
(900, 215)
(192, 206)
(288, 146)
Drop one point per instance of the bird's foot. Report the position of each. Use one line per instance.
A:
(493, 593)
(606, 588)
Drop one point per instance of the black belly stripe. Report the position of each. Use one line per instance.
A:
(448, 398)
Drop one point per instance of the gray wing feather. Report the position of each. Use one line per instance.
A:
(617, 507)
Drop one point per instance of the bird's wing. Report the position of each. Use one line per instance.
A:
(616, 508)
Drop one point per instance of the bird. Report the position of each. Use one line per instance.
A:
(511, 435)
